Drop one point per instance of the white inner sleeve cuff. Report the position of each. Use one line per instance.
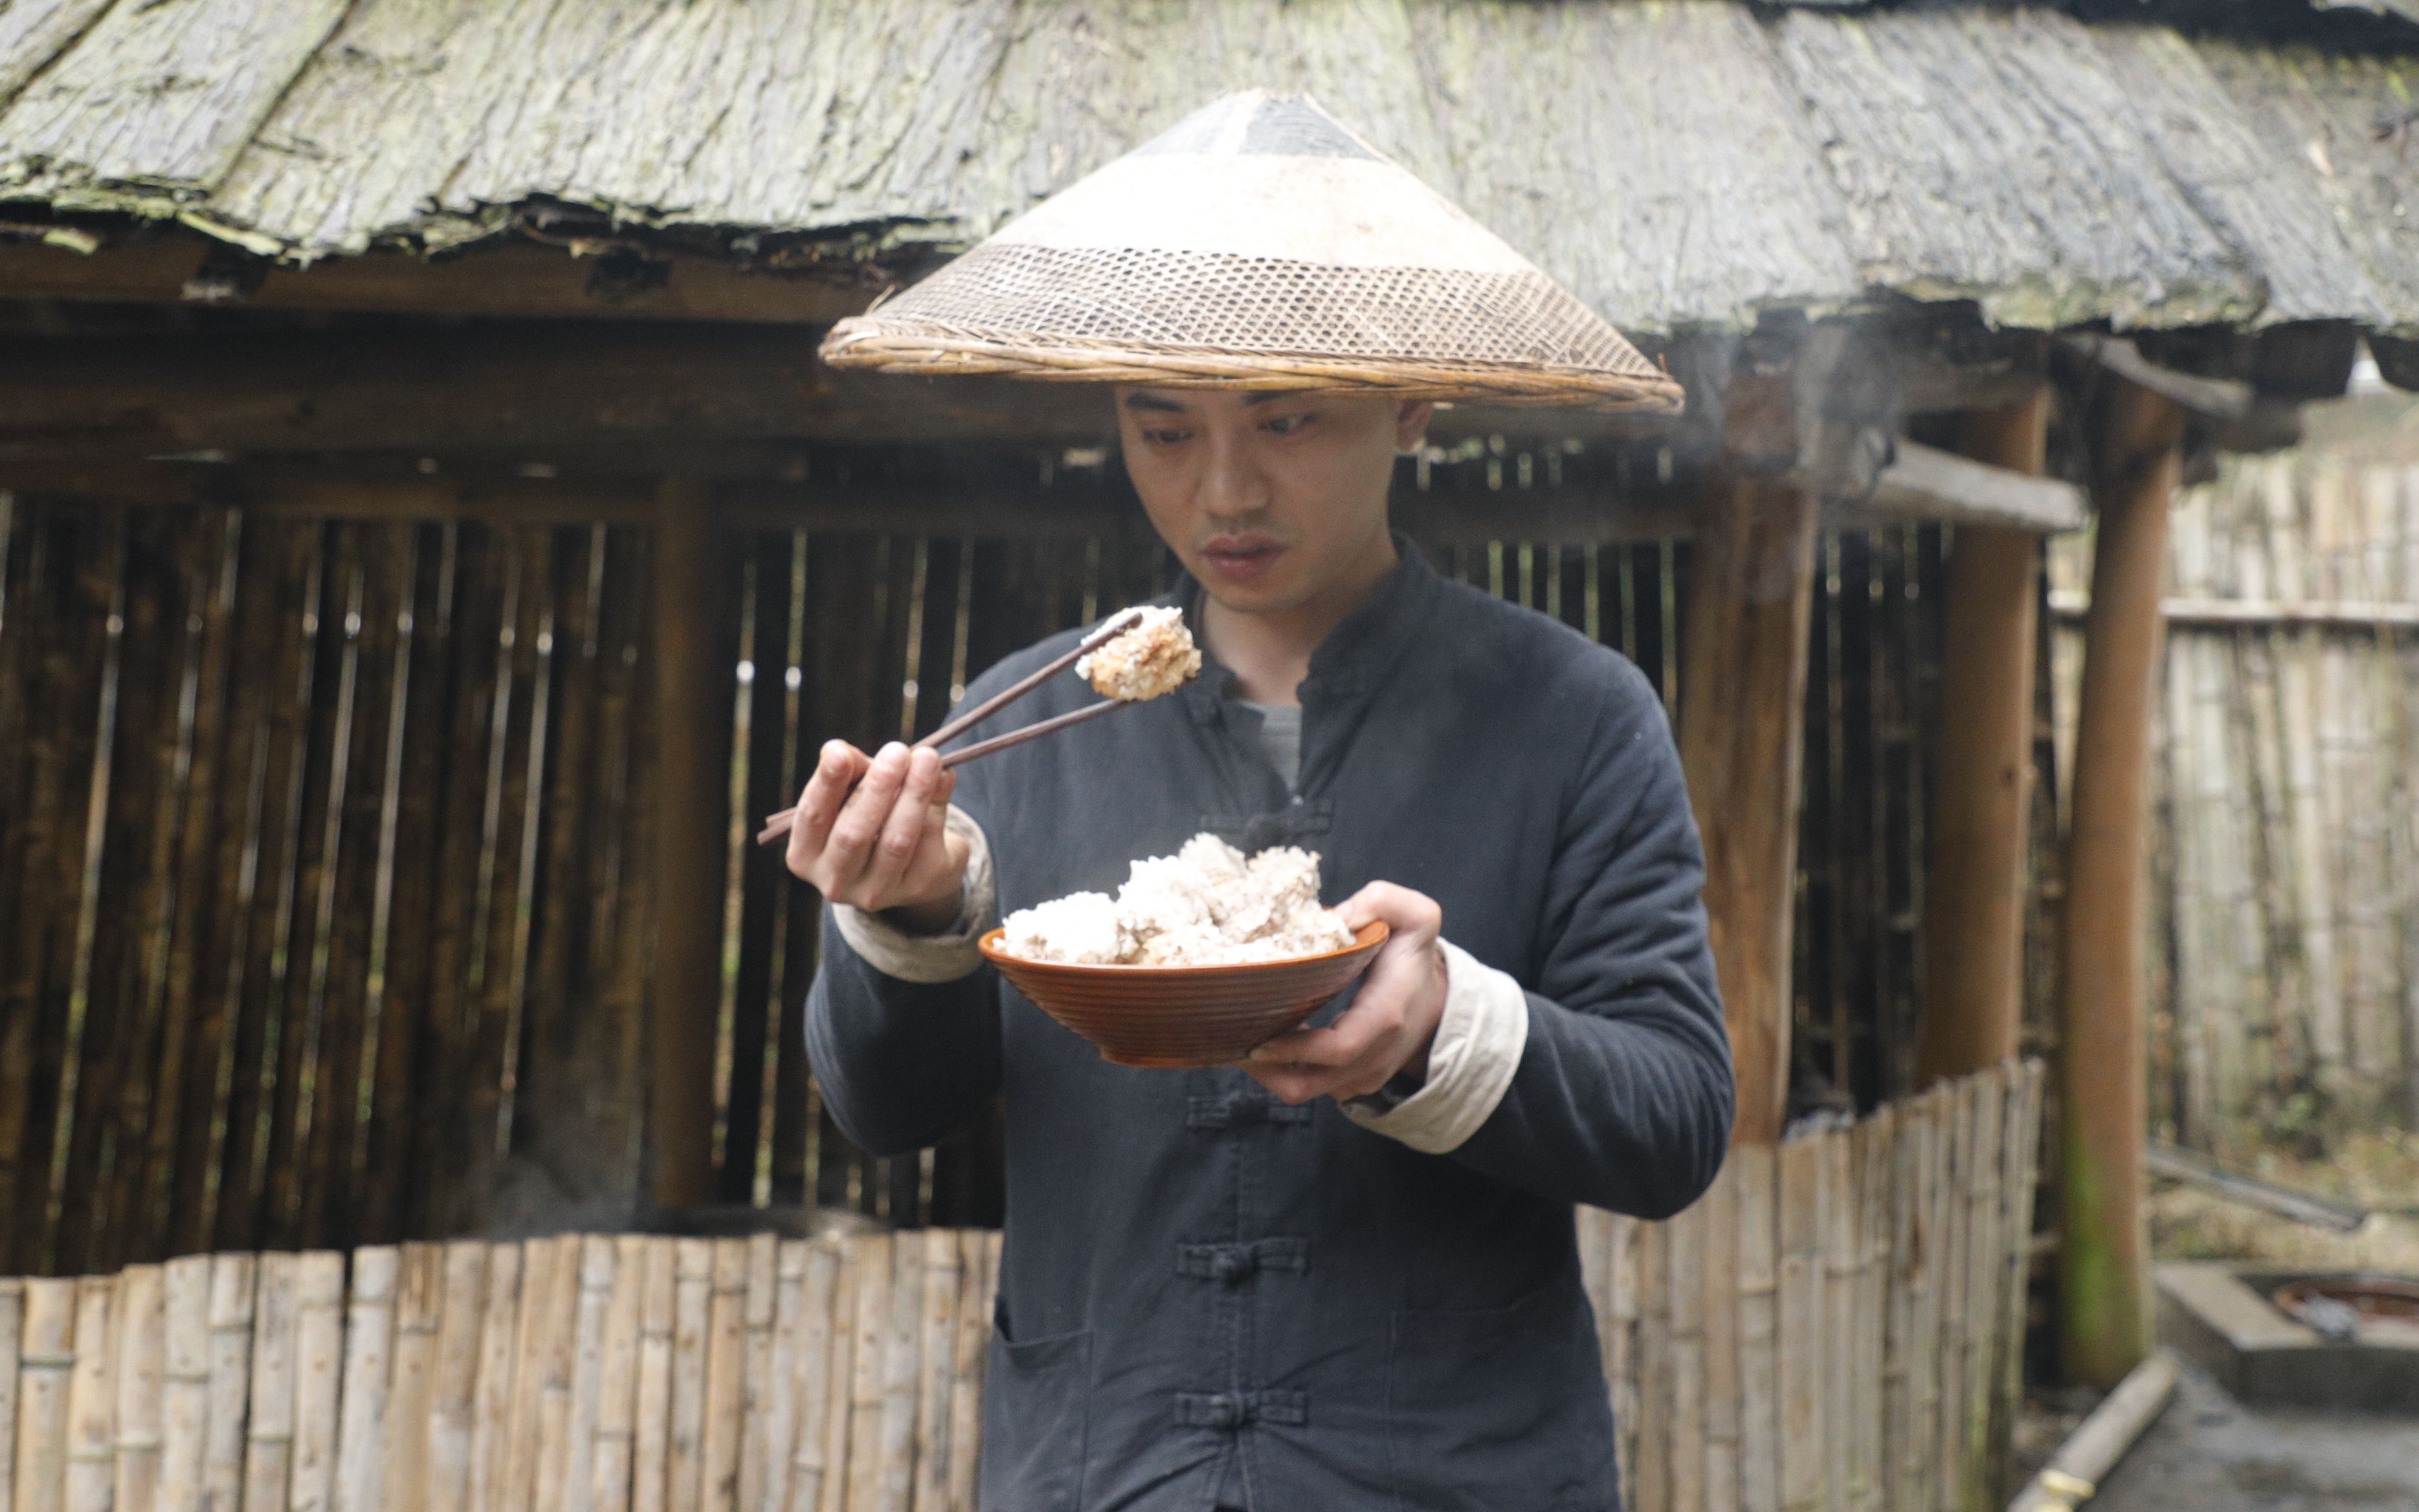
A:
(1471, 1062)
(932, 958)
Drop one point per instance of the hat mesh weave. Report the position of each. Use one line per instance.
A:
(1218, 303)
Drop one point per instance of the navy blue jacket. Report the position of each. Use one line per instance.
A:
(1203, 1288)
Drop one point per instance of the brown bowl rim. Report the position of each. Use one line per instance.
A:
(1361, 940)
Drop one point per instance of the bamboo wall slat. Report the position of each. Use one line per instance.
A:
(2284, 990)
(593, 1371)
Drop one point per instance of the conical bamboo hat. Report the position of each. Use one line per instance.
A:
(1258, 244)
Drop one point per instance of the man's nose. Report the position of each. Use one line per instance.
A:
(1231, 481)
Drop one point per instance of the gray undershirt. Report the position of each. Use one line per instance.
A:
(1281, 737)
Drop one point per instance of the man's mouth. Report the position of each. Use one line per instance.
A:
(1239, 558)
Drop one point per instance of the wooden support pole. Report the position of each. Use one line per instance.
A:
(690, 799)
(1973, 905)
(1742, 733)
(2103, 1280)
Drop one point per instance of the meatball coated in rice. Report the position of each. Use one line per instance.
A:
(1154, 657)
(1205, 905)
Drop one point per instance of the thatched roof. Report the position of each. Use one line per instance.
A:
(1674, 163)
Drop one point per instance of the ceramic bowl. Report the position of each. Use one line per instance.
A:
(1185, 1016)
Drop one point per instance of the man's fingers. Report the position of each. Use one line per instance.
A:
(1328, 1048)
(859, 829)
(1354, 1034)
(836, 770)
(1299, 1083)
(1413, 919)
(906, 826)
(1291, 1085)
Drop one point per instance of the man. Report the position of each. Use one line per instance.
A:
(1343, 1273)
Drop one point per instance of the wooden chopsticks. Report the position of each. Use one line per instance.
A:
(776, 825)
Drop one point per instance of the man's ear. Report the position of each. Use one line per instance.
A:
(1412, 423)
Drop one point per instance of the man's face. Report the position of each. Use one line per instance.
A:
(1272, 500)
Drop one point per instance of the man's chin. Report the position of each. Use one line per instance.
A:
(1272, 595)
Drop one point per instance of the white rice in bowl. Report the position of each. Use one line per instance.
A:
(1205, 905)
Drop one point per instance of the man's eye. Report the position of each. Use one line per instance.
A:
(1162, 438)
(1286, 425)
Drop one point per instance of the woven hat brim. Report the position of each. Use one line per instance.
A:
(1258, 244)
(876, 344)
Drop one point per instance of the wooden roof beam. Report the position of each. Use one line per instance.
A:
(2221, 401)
(1924, 482)
(511, 279)
(538, 389)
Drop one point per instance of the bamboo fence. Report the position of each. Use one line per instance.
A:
(1837, 1326)
(324, 858)
(2285, 990)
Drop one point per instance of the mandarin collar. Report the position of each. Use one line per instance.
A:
(1355, 655)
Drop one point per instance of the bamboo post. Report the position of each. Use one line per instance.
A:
(840, 1378)
(233, 1280)
(617, 1387)
(1876, 1141)
(812, 1433)
(1952, 1236)
(2093, 1450)
(1974, 897)
(1985, 1272)
(2020, 1154)
(269, 1432)
(871, 1356)
(514, 1488)
(692, 1302)
(46, 1364)
(12, 1320)
(142, 1325)
(977, 1279)
(1722, 1305)
(420, 1300)
(491, 1411)
(1803, 1197)
(934, 1444)
(902, 1361)
(2103, 1291)
(690, 796)
(1685, 1257)
(586, 1402)
(1934, 1299)
(1909, 1243)
(1838, 1280)
(184, 1383)
(650, 1431)
(763, 1303)
(726, 1374)
(317, 1371)
(1651, 1465)
(554, 1402)
(778, 1448)
(454, 1381)
(369, 1353)
(1752, 1169)
(1743, 705)
(91, 1476)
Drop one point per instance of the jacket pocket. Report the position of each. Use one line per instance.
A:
(1035, 1415)
(1502, 1407)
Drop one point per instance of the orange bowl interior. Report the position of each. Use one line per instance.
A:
(1185, 1016)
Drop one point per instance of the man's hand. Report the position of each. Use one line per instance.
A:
(869, 834)
(1390, 1021)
